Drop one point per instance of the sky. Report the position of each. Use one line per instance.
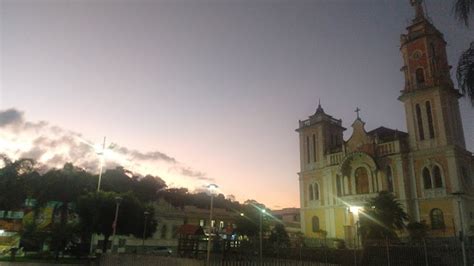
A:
(201, 91)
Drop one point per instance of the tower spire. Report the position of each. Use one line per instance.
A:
(419, 12)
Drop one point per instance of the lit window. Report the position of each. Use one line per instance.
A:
(202, 222)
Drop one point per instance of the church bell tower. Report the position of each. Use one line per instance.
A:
(431, 102)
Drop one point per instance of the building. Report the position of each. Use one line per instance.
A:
(422, 167)
(290, 217)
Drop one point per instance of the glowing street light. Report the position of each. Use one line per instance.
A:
(212, 190)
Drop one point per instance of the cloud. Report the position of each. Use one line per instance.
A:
(53, 146)
(10, 116)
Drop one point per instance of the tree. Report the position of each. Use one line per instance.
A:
(417, 230)
(465, 69)
(465, 72)
(381, 217)
(463, 9)
(249, 223)
(279, 237)
(14, 178)
(97, 212)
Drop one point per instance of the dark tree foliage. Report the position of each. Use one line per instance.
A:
(14, 182)
(463, 9)
(465, 72)
(381, 217)
(249, 223)
(97, 212)
(279, 237)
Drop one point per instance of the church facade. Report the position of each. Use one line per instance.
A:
(427, 168)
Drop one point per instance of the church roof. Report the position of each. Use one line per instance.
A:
(387, 134)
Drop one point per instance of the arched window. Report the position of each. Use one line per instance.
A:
(310, 191)
(437, 219)
(420, 76)
(316, 191)
(361, 180)
(426, 178)
(438, 180)
(430, 119)
(315, 223)
(420, 122)
(389, 179)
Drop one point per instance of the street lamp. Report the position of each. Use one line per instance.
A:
(212, 188)
(459, 195)
(262, 212)
(101, 165)
(117, 206)
(146, 213)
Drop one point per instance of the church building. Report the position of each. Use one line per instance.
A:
(428, 168)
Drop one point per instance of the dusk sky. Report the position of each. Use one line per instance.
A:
(200, 91)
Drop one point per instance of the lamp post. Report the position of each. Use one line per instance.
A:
(117, 206)
(101, 165)
(144, 228)
(262, 212)
(212, 188)
(459, 195)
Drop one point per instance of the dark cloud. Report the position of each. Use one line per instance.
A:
(155, 155)
(10, 116)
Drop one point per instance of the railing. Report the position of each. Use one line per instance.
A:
(388, 148)
(334, 158)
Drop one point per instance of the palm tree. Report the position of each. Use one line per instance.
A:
(465, 72)
(381, 217)
(465, 69)
(463, 9)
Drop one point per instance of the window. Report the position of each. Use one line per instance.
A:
(338, 185)
(465, 179)
(314, 148)
(438, 180)
(221, 224)
(389, 179)
(202, 222)
(437, 219)
(164, 229)
(420, 77)
(420, 122)
(361, 180)
(316, 191)
(426, 178)
(430, 120)
(315, 223)
(310, 191)
(307, 150)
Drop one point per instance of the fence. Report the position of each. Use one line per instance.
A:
(145, 260)
(425, 252)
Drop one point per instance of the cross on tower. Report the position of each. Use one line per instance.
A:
(357, 110)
